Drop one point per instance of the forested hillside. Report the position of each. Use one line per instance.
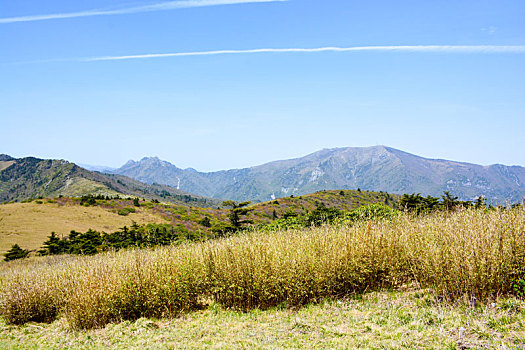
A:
(26, 178)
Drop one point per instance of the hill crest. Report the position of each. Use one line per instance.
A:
(32, 177)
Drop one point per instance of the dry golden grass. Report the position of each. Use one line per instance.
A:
(78, 187)
(29, 224)
(475, 256)
(6, 164)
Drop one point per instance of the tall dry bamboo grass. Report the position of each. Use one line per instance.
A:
(466, 254)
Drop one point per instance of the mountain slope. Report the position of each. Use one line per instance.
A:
(32, 177)
(30, 223)
(376, 168)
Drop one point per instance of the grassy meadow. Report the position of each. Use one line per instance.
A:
(29, 224)
(473, 258)
(409, 319)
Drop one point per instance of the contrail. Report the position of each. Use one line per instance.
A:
(417, 48)
(163, 6)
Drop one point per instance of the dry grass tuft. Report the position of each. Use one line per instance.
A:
(471, 254)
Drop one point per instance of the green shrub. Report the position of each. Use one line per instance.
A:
(222, 229)
(125, 211)
(205, 221)
(371, 212)
(323, 215)
(285, 223)
(519, 287)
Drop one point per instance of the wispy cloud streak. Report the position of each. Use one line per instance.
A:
(163, 6)
(417, 48)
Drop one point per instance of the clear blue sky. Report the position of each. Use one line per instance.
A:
(223, 111)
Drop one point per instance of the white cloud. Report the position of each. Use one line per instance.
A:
(163, 6)
(490, 30)
(406, 48)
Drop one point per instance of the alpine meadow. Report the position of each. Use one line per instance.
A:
(262, 174)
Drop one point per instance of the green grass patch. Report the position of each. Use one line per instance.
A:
(376, 320)
(125, 211)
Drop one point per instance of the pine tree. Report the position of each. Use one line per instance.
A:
(237, 212)
(449, 202)
(15, 253)
(411, 202)
(480, 202)
(51, 246)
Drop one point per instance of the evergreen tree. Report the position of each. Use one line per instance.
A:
(237, 213)
(480, 202)
(323, 215)
(88, 243)
(52, 246)
(411, 202)
(449, 202)
(418, 204)
(431, 203)
(222, 229)
(15, 253)
(205, 221)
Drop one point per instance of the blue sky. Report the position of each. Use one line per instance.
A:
(211, 112)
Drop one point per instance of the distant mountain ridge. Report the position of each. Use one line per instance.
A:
(31, 177)
(99, 168)
(377, 168)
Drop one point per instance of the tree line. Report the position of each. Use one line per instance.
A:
(418, 204)
(151, 235)
(136, 236)
(93, 242)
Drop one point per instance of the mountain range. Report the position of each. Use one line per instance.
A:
(377, 168)
(31, 177)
